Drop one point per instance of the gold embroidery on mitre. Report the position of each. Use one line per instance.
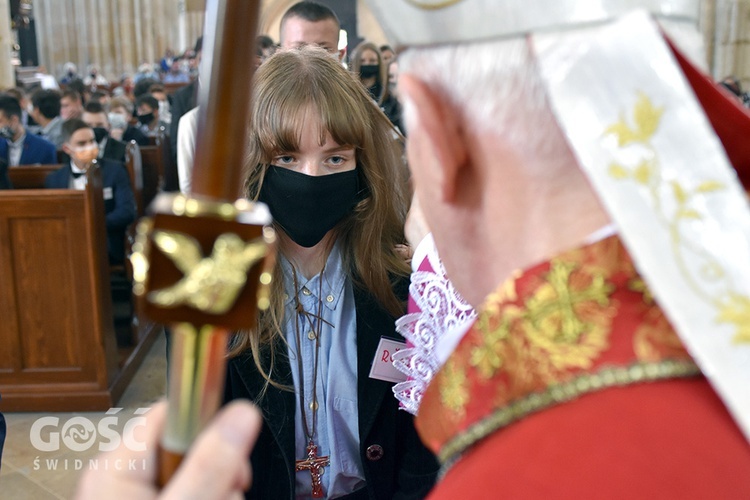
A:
(735, 309)
(731, 306)
(646, 120)
(568, 319)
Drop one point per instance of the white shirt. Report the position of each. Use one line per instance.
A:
(77, 183)
(15, 148)
(186, 131)
(102, 145)
(337, 433)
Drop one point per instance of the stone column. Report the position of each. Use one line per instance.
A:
(181, 27)
(7, 77)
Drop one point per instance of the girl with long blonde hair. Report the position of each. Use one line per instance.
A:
(329, 165)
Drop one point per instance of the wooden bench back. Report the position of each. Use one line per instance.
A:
(134, 166)
(152, 180)
(59, 346)
(171, 88)
(159, 151)
(31, 176)
(169, 166)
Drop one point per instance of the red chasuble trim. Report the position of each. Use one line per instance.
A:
(580, 323)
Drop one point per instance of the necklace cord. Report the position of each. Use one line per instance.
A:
(311, 430)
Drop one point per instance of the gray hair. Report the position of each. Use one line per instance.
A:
(495, 86)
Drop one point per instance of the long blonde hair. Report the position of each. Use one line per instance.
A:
(286, 86)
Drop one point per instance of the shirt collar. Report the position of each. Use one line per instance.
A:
(51, 124)
(20, 140)
(333, 280)
(75, 169)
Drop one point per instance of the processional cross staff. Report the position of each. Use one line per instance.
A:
(203, 263)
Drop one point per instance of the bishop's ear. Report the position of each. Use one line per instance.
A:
(435, 138)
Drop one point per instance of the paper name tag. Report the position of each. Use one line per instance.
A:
(107, 191)
(382, 365)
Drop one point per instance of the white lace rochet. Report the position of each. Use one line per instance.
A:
(441, 311)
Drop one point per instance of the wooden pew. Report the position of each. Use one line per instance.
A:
(171, 177)
(171, 88)
(59, 351)
(153, 174)
(159, 152)
(134, 166)
(31, 176)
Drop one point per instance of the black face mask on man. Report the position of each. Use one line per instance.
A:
(307, 206)
(146, 119)
(6, 132)
(100, 133)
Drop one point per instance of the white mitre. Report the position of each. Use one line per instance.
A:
(650, 131)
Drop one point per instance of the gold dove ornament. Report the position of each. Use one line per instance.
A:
(210, 284)
(206, 281)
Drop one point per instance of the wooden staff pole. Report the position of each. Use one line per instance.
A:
(224, 97)
(203, 263)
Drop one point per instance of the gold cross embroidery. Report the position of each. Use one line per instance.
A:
(558, 299)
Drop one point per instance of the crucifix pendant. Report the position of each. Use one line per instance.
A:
(315, 465)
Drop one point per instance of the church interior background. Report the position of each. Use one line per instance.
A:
(120, 35)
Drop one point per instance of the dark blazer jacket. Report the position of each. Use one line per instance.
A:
(4, 179)
(181, 102)
(396, 464)
(114, 150)
(35, 150)
(119, 202)
(3, 430)
(133, 134)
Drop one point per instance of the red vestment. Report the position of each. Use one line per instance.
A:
(572, 384)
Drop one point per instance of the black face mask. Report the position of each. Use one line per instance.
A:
(369, 71)
(307, 206)
(146, 119)
(100, 133)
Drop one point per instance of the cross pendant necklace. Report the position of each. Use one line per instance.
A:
(315, 465)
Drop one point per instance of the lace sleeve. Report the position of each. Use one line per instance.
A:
(435, 310)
